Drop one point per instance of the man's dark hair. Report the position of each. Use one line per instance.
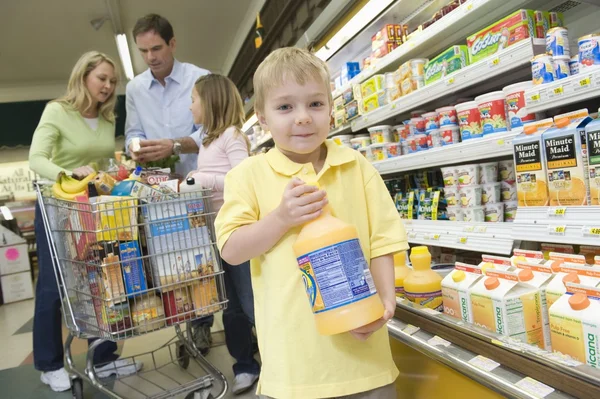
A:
(156, 23)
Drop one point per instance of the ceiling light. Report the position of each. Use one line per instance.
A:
(124, 54)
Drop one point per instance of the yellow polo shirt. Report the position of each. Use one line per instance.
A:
(297, 361)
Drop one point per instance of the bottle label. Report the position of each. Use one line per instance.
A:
(336, 276)
(400, 292)
(432, 300)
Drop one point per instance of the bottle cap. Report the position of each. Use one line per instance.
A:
(571, 278)
(562, 122)
(421, 250)
(190, 181)
(530, 129)
(525, 275)
(579, 301)
(491, 283)
(458, 276)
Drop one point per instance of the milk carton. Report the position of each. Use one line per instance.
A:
(575, 325)
(577, 273)
(538, 276)
(507, 307)
(455, 291)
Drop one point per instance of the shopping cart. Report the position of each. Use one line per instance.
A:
(129, 266)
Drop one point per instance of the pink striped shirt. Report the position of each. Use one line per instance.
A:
(216, 160)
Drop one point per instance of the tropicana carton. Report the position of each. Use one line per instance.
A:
(455, 290)
(577, 273)
(524, 255)
(495, 262)
(507, 307)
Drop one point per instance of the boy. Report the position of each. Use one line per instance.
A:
(266, 205)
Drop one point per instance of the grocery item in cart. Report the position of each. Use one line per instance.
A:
(115, 218)
(574, 65)
(469, 120)
(488, 172)
(542, 69)
(561, 67)
(455, 291)
(380, 134)
(423, 286)
(447, 116)
(493, 299)
(492, 109)
(515, 104)
(566, 162)
(147, 312)
(450, 134)
(448, 62)
(518, 26)
(345, 303)
(468, 174)
(113, 289)
(574, 324)
(557, 42)
(178, 304)
(133, 267)
(592, 133)
(589, 51)
(494, 212)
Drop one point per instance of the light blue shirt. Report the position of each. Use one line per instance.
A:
(157, 112)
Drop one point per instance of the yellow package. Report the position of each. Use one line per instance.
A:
(338, 103)
(116, 218)
(374, 101)
(372, 85)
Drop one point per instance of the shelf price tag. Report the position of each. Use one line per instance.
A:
(412, 235)
(449, 81)
(558, 211)
(557, 230)
(534, 97)
(557, 91)
(410, 329)
(462, 240)
(435, 341)
(435, 237)
(494, 62)
(585, 82)
(535, 387)
(469, 229)
(484, 363)
(481, 229)
(591, 231)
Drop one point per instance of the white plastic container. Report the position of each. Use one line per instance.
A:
(510, 211)
(367, 153)
(431, 121)
(506, 171)
(380, 134)
(470, 196)
(468, 174)
(450, 176)
(492, 110)
(450, 134)
(379, 152)
(488, 173)
(469, 120)
(515, 104)
(451, 196)
(474, 214)
(344, 140)
(492, 193)
(434, 138)
(360, 142)
(509, 191)
(393, 150)
(494, 212)
(455, 213)
(447, 116)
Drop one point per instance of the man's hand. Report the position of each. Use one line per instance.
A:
(82, 172)
(363, 333)
(301, 203)
(152, 150)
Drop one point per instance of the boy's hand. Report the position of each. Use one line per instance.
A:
(363, 333)
(301, 203)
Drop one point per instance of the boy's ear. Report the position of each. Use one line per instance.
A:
(262, 121)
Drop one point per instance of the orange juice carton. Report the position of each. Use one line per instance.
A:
(590, 253)
(566, 160)
(558, 258)
(575, 326)
(524, 255)
(577, 273)
(455, 291)
(495, 262)
(562, 248)
(592, 135)
(530, 166)
(538, 276)
(507, 307)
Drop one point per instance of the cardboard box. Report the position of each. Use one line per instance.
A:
(451, 60)
(115, 218)
(14, 259)
(16, 287)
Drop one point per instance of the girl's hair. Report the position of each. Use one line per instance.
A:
(221, 105)
(78, 96)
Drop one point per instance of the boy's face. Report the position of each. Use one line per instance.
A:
(297, 116)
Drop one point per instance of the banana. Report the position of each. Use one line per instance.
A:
(59, 193)
(71, 185)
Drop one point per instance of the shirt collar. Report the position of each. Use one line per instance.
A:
(176, 74)
(336, 156)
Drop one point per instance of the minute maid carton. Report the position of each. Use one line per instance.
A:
(517, 26)
(575, 324)
(592, 133)
(455, 290)
(507, 307)
(451, 60)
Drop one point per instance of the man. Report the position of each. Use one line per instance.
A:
(157, 103)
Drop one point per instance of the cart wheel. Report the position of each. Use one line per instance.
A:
(183, 357)
(77, 388)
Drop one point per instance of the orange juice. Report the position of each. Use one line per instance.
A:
(400, 272)
(566, 160)
(422, 285)
(578, 273)
(593, 156)
(336, 275)
(530, 168)
(455, 291)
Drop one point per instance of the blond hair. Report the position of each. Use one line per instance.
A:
(78, 96)
(282, 63)
(221, 106)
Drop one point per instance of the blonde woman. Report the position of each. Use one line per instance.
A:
(74, 131)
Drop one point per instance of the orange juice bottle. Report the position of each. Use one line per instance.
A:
(400, 272)
(336, 275)
(423, 285)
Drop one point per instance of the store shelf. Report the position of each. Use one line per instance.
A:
(489, 238)
(563, 225)
(344, 129)
(460, 23)
(492, 146)
(507, 60)
(573, 89)
(264, 141)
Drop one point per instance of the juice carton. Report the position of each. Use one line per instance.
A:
(538, 276)
(566, 160)
(507, 307)
(575, 326)
(592, 135)
(588, 276)
(524, 255)
(451, 60)
(517, 26)
(530, 167)
(455, 291)
(561, 248)
(495, 262)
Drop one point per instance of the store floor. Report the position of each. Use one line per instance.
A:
(19, 380)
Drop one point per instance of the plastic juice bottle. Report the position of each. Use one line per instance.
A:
(336, 275)
(530, 167)
(400, 272)
(422, 285)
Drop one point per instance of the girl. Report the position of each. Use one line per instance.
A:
(74, 131)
